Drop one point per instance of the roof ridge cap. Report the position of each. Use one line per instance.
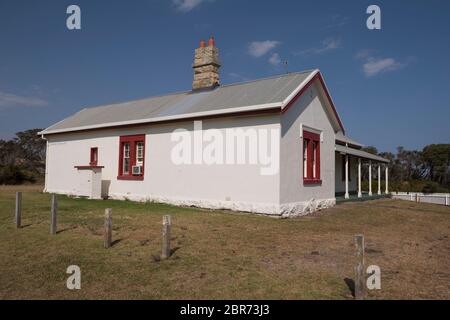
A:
(267, 78)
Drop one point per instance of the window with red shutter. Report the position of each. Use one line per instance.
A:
(94, 157)
(131, 157)
(311, 158)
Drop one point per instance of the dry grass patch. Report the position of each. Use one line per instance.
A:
(218, 255)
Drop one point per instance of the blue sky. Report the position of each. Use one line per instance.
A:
(391, 86)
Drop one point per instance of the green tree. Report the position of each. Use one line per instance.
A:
(436, 158)
(32, 148)
(370, 149)
(22, 158)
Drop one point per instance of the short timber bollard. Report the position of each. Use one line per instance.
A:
(166, 237)
(108, 228)
(18, 215)
(54, 214)
(359, 270)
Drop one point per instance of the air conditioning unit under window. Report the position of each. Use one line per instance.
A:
(137, 170)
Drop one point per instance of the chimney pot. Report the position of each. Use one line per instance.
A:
(211, 42)
(202, 43)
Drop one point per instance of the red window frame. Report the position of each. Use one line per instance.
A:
(132, 140)
(311, 139)
(94, 156)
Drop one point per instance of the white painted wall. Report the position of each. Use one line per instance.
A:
(237, 187)
(88, 183)
(296, 197)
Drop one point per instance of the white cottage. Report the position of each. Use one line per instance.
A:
(273, 146)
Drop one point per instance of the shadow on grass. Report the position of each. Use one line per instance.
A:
(351, 285)
(115, 242)
(65, 229)
(157, 257)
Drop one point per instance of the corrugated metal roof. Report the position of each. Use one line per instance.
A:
(343, 138)
(360, 153)
(257, 94)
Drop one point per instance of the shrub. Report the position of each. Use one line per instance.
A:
(430, 187)
(12, 174)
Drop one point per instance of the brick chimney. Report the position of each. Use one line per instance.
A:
(206, 66)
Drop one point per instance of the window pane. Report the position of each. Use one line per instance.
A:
(94, 157)
(126, 158)
(314, 154)
(126, 166)
(305, 158)
(140, 153)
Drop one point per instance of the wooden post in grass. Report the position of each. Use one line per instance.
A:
(18, 215)
(108, 228)
(54, 214)
(417, 197)
(166, 237)
(360, 284)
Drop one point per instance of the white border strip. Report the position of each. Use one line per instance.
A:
(300, 87)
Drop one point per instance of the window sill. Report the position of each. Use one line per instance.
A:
(312, 181)
(88, 167)
(132, 178)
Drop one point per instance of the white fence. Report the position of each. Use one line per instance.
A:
(436, 198)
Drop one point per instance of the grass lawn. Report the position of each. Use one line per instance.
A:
(220, 255)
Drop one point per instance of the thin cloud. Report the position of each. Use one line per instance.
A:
(336, 21)
(13, 100)
(327, 45)
(373, 66)
(187, 5)
(259, 48)
(275, 59)
(364, 54)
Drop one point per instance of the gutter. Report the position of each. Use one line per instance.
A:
(46, 163)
